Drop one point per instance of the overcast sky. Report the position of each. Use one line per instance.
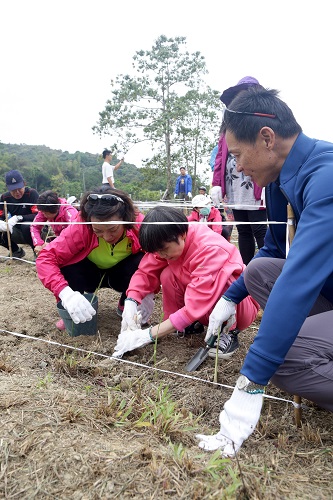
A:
(58, 58)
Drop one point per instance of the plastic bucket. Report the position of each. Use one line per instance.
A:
(87, 328)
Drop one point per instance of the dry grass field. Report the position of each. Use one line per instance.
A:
(77, 424)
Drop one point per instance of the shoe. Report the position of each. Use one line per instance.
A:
(120, 310)
(60, 324)
(228, 345)
(194, 329)
(19, 254)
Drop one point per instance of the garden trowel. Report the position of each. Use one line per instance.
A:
(202, 353)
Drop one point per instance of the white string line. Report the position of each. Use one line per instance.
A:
(140, 365)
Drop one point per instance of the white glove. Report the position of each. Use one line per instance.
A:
(175, 196)
(130, 318)
(146, 307)
(129, 340)
(3, 226)
(78, 307)
(13, 221)
(189, 195)
(238, 420)
(216, 195)
(224, 310)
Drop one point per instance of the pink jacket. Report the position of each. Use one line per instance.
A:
(207, 267)
(214, 216)
(67, 213)
(71, 246)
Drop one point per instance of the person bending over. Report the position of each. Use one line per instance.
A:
(193, 265)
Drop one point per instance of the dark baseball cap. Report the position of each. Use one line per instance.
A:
(243, 84)
(14, 180)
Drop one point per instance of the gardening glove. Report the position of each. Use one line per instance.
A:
(175, 196)
(189, 195)
(146, 307)
(13, 221)
(78, 307)
(129, 340)
(216, 195)
(224, 310)
(238, 420)
(3, 226)
(130, 318)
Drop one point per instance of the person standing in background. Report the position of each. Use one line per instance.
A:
(239, 189)
(108, 169)
(183, 189)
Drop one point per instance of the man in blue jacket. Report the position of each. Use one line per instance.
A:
(183, 189)
(294, 345)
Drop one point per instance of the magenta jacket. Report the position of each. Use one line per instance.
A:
(67, 213)
(207, 267)
(219, 169)
(71, 246)
(214, 216)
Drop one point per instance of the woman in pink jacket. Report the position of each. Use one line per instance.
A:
(194, 265)
(104, 253)
(50, 209)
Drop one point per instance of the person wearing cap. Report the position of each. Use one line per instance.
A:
(183, 189)
(108, 169)
(21, 207)
(192, 265)
(238, 189)
(293, 348)
(203, 211)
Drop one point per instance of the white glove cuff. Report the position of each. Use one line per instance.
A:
(65, 293)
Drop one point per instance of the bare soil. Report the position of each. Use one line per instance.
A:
(77, 424)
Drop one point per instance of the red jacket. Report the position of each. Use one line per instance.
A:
(214, 216)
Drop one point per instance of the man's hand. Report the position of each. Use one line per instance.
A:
(189, 195)
(238, 420)
(13, 221)
(129, 340)
(216, 195)
(175, 196)
(78, 307)
(224, 310)
(130, 318)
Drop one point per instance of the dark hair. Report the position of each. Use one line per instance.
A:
(106, 152)
(256, 99)
(50, 197)
(103, 211)
(153, 237)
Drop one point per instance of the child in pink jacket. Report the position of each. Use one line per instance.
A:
(194, 266)
(51, 209)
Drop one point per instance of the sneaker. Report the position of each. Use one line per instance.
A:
(194, 329)
(19, 254)
(228, 345)
(120, 310)
(60, 324)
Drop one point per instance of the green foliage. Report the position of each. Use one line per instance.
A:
(167, 105)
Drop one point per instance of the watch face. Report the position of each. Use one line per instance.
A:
(242, 382)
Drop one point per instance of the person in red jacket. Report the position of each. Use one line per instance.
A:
(84, 257)
(203, 211)
(193, 265)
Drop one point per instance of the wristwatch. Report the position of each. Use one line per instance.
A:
(244, 384)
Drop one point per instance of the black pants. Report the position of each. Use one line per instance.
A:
(21, 234)
(249, 233)
(84, 276)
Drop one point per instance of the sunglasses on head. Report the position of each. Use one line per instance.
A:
(265, 115)
(105, 199)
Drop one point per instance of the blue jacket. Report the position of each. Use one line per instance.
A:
(188, 184)
(306, 180)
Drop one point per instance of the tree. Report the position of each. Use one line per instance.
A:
(166, 105)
